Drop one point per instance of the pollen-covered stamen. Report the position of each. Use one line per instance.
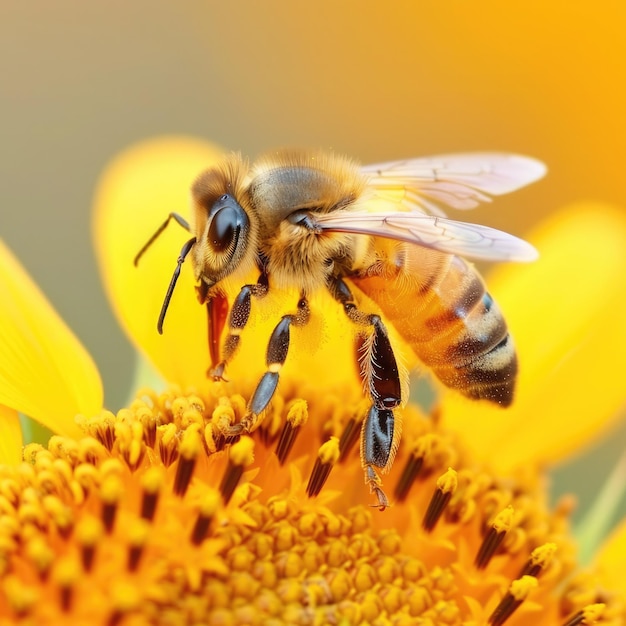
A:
(91, 451)
(495, 535)
(110, 493)
(190, 448)
(223, 421)
(138, 534)
(296, 418)
(130, 440)
(149, 423)
(240, 455)
(540, 558)
(208, 507)
(327, 456)
(152, 482)
(40, 555)
(168, 443)
(89, 534)
(60, 514)
(410, 472)
(517, 593)
(102, 428)
(591, 614)
(124, 600)
(66, 574)
(21, 598)
(446, 486)
(413, 467)
(351, 432)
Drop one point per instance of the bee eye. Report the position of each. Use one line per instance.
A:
(222, 228)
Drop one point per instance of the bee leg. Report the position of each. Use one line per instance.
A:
(379, 370)
(238, 318)
(376, 449)
(277, 349)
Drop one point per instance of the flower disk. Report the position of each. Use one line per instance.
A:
(154, 518)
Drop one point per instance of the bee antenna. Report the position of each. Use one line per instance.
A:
(170, 290)
(178, 218)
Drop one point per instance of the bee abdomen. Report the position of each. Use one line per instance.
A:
(441, 308)
(473, 352)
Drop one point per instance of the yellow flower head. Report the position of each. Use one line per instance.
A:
(153, 516)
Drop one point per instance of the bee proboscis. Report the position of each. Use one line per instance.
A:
(312, 220)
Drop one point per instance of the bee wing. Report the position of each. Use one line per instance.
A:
(460, 181)
(439, 233)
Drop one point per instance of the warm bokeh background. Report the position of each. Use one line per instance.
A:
(83, 80)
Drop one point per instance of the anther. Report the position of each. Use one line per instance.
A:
(40, 555)
(60, 514)
(168, 444)
(152, 482)
(296, 417)
(495, 535)
(327, 456)
(89, 533)
(66, 574)
(352, 432)
(208, 508)
(110, 494)
(102, 428)
(190, 447)
(240, 455)
(130, 443)
(517, 593)
(124, 599)
(446, 486)
(591, 614)
(413, 466)
(538, 560)
(20, 597)
(91, 450)
(138, 534)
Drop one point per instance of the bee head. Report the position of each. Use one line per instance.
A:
(223, 228)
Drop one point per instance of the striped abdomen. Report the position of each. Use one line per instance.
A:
(439, 305)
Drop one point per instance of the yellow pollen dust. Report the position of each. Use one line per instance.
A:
(159, 515)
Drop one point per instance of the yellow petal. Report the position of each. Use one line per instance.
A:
(10, 437)
(135, 195)
(566, 313)
(45, 372)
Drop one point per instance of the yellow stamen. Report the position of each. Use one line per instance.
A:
(495, 535)
(446, 486)
(518, 592)
(111, 491)
(138, 535)
(152, 482)
(190, 448)
(297, 416)
(327, 456)
(241, 454)
(89, 533)
(540, 558)
(208, 508)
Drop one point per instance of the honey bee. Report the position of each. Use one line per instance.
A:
(312, 220)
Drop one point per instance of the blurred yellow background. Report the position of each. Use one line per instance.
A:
(81, 81)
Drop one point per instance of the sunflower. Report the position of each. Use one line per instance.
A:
(151, 516)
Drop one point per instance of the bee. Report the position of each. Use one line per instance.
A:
(313, 220)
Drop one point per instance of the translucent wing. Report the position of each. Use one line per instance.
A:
(438, 233)
(460, 181)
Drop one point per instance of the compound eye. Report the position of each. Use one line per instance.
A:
(222, 229)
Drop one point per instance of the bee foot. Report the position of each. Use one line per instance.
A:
(217, 373)
(375, 484)
(245, 426)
